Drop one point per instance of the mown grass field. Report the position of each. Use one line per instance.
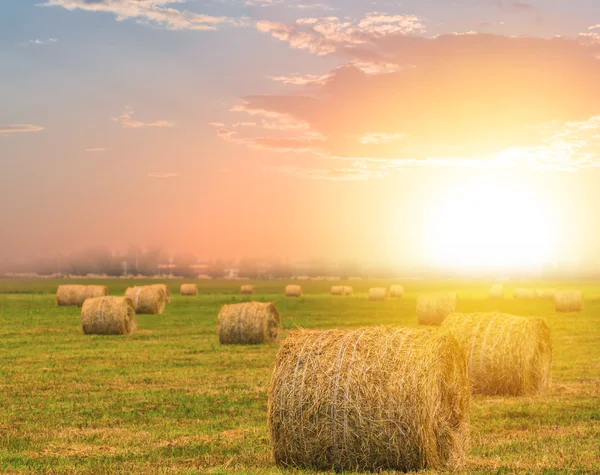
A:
(170, 399)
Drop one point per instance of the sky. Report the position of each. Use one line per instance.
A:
(460, 134)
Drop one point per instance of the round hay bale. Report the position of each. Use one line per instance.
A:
(337, 290)
(432, 309)
(496, 291)
(293, 291)
(378, 293)
(546, 294)
(396, 291)
(166, 289)
(375, 399)
(147, 299)
(108, 316)
(75, 295)
(188, 289)
(348, 290)
(524, 294)
(247, 289)
(507, 354)
(249, 323)
(569, 301)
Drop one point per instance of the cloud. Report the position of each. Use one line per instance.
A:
(97, 150)
(457, 99)
(39, 42)
(155, 12)
(127, 121)
(19, 129)
(354, 173)
(163, 175)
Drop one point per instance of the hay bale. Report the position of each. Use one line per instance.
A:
(337, 290)
(396, 291)
(348, 290)
(247, 289)
(524, 294)
(166, 289)
(147, 299)
(249, 323)
(375, 399)
(188, 289)
(507, 354)
(108, 316)
(546, 294)
(378, 293)
(569, 301)
(432, 309)
(293, 291)
(77, 294)
(496, 291)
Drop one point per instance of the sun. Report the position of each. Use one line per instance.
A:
(490, 225)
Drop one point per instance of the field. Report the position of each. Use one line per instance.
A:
(170, 399)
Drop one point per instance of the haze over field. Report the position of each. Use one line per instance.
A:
(459, 134)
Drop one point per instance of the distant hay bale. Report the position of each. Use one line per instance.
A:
(507, 354)
(166, 290)
(373, 399)
(337, 290)
(147, 299)
(348, 290)
(547, 294)
(188, 289)
(108, 316)
(524, 294)
(247, 289)
(378, 293)
(432, 309)
(249, 323)
(396, 291)
(77, 294)
(569, 301)
(293, 291)
(496, 291)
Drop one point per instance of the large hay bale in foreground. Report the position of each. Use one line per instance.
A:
(378, 293)
(147, 299)
(496, 291)
(396, 291)
(247, 289)
(188, 289)
(376, 398)
(293, 291)
(166, 289)
(77, 294)
(249, 323)
(507, 354)
(432, 309)
(547, 294)
(108, 316)
(524, 294)
(569, 301)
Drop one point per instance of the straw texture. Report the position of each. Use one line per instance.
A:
(569, 301)
(108, 316)
(432, 309)
(188, 289)
(75, 295)
(378, 293)
(249, 323)
(147, 299)
(247, 289)
(293, 291)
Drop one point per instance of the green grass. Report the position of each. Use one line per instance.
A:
(170, 399)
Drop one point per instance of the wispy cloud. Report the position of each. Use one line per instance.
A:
(39, 42)
(97, 150)
(19, 128)
(156, 12)
(163, 175)
(128, 122)
(352, 173)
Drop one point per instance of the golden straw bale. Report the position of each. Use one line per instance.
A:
(188, 289)
(378, 398)
(77, 294)
(507, 354)
(166, 290)
(433, 308)
(293, 291)
(496, 291)
(378, 293)
(396, 291)
(547, 294)
(247, 289)
(569, 301)
(249, 323)
(108, 316)
(337, 290)
(147, 299)
(348, 290)
(524, 294)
